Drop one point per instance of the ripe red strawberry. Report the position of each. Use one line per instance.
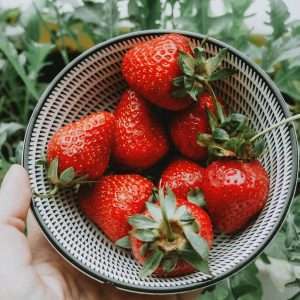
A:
(140, 140)
(182, 176)
(81, 149)
(235, 192)
(114, 199)
(171, 238)
(150, 67)
(206, 102)
(186, 125)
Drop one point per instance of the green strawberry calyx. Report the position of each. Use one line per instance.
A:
(198, 71)
(168, 234)
(65, 179)
(232, 136)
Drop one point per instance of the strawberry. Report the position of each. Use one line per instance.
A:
(184, 177)
(167, 72)
(235, 192)
(150, 67)
(172, 237)
(186, 125)
(80, 150)
(114, 199)
(140, 140)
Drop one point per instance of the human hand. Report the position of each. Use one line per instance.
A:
(29, 268)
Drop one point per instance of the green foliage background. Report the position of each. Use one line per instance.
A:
(28, 63)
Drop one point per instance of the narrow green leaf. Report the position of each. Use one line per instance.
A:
(10, 128)
(193, 92)
(3, 138)
(180, 212)
(211, 120)
(152, 263)
(178, 81)
(264, 257)
(234, 123)
(169, 264)
(53, 171)
(169, 203)
(279, 14)
(193, 258)
(239, 7)
(145, 235)
(142, 222)
(204, 139)
(221, 74)
(259, 147)
(199, 54)
(197, 242)
(41, 162)
(218, 293)
(36, 55)
(154, 211)
(187, 63)
(188, 82)
(124, 242)
(191, 225)
(11, 53)
(67, 176)
(144, 249)
(214, 62)
(196, 196)
(220, 135)
(247, 283)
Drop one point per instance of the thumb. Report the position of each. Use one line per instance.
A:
(15, 198)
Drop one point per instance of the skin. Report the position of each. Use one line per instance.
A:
(30, 269)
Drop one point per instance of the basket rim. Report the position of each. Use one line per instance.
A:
(193, 286)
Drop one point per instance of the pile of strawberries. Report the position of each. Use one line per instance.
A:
(147, 190)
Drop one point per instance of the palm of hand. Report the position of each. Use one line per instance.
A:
(29, 268)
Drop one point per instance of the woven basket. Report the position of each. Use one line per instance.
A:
(93, 82)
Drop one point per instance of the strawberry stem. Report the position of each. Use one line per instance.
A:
(217, 104)
(167, 225)
(204, 41)
(288, 120)
(47, 195)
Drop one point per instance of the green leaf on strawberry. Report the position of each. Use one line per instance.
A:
(193, 258)
(152, 263)
(169, 264)
(196, 196)
(197, 72)
(124, 242)
(142, 222)
(176, 230)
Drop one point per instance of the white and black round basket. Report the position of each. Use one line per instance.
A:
(93, 82)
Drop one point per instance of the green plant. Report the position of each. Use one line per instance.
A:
(26, 62)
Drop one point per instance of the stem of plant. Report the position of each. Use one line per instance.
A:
(169, 232)
(288, 120)
(47, 195)
(204, 41)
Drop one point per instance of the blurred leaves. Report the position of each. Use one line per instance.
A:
(11, 54)
(9, 145)
(278, 17)
(245, 285)
(144, 13)
(36, 55)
